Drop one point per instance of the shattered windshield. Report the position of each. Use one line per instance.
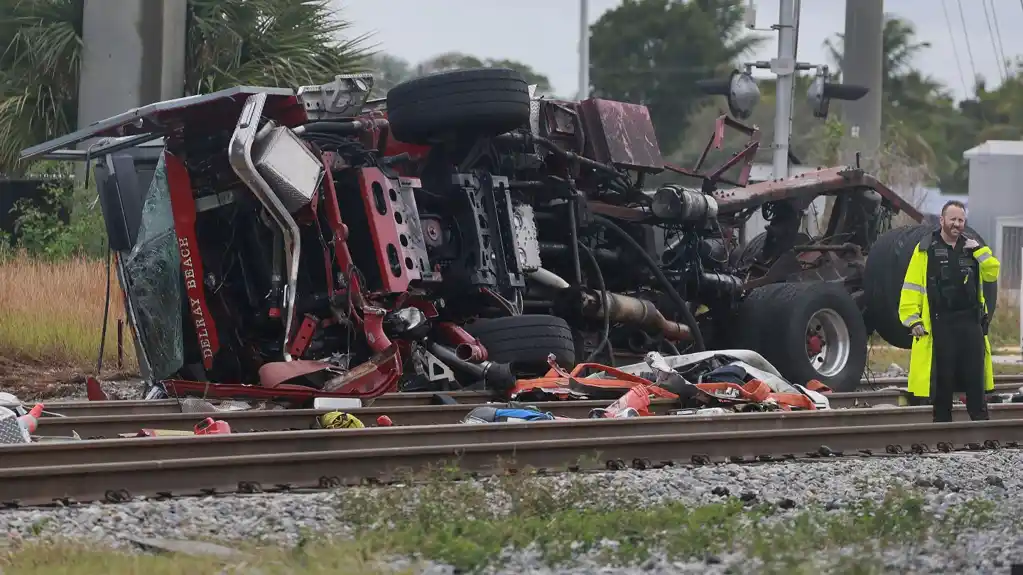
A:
(153, 275)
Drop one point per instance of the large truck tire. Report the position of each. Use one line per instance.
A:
(476, 102)
(885, 272)
(811, 330)
(524, 341)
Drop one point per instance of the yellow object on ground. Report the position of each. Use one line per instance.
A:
(339, 420)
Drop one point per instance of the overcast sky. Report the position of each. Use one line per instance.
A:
(544, 33)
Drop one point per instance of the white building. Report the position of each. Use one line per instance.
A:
(996, 202)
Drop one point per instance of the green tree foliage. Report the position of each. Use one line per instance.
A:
(266, 43)
(41, 43)
(230, 42)
(918, 112)
(390, 70)
(653, 52)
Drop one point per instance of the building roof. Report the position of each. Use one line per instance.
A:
(995, 148)
(933, 200)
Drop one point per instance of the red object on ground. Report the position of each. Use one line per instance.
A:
(384, 421)
(210, 426)
(637, 398)
(94, 391)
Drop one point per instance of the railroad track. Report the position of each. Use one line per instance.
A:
(400, 406)
(118, 470)
(133, 449)
(109, 426)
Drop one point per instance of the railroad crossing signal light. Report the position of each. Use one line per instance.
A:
(740, 89)
(821, 93)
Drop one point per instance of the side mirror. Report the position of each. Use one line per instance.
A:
(120, 200)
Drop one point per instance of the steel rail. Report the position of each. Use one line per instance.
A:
(123, 480)
(144, 449)
(1004, 383)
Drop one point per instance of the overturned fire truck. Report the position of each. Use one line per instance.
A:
(288, 243)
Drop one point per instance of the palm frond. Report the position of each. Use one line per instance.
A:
(40, 54)
(229, 43)
(267, 42)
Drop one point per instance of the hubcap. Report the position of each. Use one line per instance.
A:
(827, 342)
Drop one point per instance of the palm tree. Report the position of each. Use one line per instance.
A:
(916, 108)
(899, 47)
(229, 43)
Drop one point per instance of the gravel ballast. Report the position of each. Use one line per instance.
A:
(945, 481)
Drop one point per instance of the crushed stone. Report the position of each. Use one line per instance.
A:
(945, 480)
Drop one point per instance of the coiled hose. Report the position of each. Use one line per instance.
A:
(687, 315)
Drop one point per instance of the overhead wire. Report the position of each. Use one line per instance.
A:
(998, 32)
(955, 49)
(966, 36)
(991, 35)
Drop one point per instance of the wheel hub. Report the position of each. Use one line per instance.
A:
(814, 345)
(828, 343)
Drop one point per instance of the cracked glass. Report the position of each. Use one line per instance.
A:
(152, 271)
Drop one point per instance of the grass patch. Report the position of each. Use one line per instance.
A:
(477, 524)
(1004, 329)
(51, 313)
(316, 558)
(472, 525)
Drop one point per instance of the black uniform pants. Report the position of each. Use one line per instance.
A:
(957, 364)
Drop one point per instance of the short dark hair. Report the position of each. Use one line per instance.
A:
(952, 203)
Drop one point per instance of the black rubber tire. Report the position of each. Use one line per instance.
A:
(476, 102)
(776, 317)
(525, 340)
(754, 312)
(883, 276)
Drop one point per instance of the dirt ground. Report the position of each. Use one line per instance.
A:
(32, 382)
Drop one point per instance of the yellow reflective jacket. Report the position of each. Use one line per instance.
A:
(914, 308)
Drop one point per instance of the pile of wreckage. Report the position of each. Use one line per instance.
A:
(705, 383)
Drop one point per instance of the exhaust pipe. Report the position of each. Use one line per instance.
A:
(240, 155)
(620, 308)
(636, 311)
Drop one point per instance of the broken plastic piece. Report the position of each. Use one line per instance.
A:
(337, 403)
(30, 421)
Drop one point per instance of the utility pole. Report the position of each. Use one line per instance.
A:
(784, 67)
(584, 49)
(742, 94)
(862, 65)
(131, 56)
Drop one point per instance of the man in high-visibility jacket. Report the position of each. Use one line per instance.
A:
(942, 304)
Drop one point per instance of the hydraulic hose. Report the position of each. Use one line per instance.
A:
(687, 315)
